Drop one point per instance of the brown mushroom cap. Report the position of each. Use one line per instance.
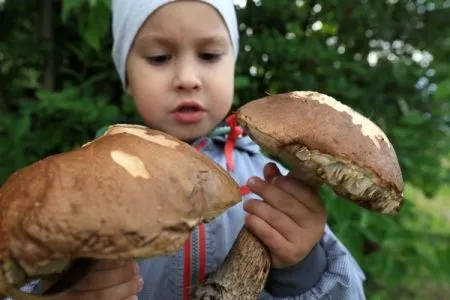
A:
(131, 193)
(325, 141)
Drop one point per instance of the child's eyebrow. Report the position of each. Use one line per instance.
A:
(215, 40)
(155, 39)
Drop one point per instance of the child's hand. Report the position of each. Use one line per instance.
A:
(110, 280)
(291, 219)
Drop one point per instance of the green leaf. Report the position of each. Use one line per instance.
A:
(443, 90)
(68, 6)
(413, 117)
(20, 128)
(241, 82)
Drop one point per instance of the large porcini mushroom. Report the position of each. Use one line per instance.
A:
(131, 193)
(323, 142)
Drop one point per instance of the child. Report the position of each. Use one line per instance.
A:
(177, 60)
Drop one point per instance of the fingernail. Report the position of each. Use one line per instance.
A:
(253, 181)
(134, 297)
(140, 283)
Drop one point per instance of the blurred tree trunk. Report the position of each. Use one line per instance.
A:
(2, 93)
(48, 39)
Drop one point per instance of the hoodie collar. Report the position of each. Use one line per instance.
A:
(232, 136)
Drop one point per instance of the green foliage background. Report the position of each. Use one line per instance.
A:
(58, 86)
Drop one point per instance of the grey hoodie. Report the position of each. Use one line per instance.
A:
(328, 272)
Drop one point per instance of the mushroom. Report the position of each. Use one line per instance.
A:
(324, 142)
(131, 193)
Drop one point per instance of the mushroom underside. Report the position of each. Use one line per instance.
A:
(347, 179)
(72, 268)
(71, 271)
(17, 272)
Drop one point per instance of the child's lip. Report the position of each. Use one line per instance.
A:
(189, 104)
(189, 117)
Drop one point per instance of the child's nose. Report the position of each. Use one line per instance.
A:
(187, 78)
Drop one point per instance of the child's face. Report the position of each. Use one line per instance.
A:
(180, 70)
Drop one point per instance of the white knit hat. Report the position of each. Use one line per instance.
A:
(129, 15)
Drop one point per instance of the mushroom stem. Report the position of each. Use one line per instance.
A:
(242, 275)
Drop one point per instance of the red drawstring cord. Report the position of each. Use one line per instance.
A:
(235, 132)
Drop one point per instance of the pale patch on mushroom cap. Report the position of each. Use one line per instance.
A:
(132, 164)
(368, 128)
(142, 132)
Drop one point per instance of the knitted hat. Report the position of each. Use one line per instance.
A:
(129, 15)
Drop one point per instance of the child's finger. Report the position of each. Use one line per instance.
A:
(280, 249)
(301, 192)
(111, 264)
(117, 292)
(106, 278)
(263, 231)
(279, 221)
(279, 199)
(271, 171)
(294, 187)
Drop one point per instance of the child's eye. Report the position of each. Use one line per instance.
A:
(210, 57)
(158, 59)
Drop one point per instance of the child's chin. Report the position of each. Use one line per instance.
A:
(189, 135)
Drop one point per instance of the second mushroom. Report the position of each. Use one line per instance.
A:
(324, 142)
